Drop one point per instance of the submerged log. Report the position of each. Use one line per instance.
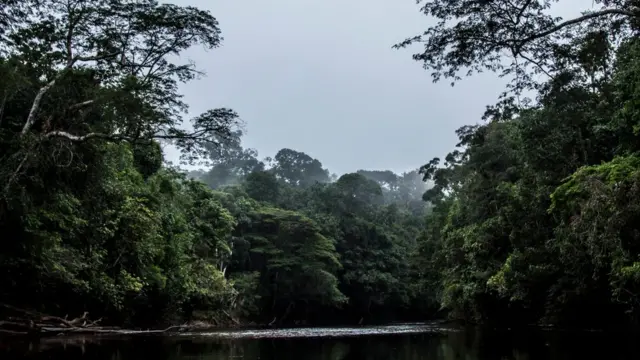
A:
(27, 322)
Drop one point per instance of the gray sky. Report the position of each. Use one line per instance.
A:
(319, 76)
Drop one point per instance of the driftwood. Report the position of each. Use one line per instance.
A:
(26, 322)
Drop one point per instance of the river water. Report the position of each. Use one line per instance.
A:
(406, 342)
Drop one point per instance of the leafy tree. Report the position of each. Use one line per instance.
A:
(231, 163)
(91, 90)
(530, 223)
(356, 194)
(298, 169)
(521, 40)
(262, 186)
(100, 71)
(295, 262)
(386, 179)
(525, 30)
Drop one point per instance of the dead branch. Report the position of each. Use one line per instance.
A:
(26, 322)
(35, 106)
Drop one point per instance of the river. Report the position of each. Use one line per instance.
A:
(404, 342)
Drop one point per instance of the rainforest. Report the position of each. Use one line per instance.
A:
(532, 219)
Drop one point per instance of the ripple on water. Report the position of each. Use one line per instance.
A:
(322, 332)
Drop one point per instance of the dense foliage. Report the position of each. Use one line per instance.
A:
(308, 249)
(92, 219)
(533, 218)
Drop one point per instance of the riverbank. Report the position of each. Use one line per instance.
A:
(22, 322)
(28, 322)
(19, 322)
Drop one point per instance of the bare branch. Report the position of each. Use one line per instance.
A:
(82, 104)
(196, 135)
(15, 174)
(35, 106)
(521, 11)
(537, 64)
(85, 137)
(36, 102)
(96, 57)
(69, 39)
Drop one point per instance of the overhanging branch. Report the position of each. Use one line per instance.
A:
(85, 137)
(196, 135)
(519, 43)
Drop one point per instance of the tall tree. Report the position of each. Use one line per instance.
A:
(231, 163)
(89, 90)
(298, 169)
(103, 71)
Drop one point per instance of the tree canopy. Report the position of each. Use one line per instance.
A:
(522, 40)
(90, 94)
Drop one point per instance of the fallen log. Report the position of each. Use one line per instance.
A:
(98, 330)
(19, 321)
(28, 322)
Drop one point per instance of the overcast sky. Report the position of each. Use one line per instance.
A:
(320, 76)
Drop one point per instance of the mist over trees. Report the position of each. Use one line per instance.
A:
(357, 235)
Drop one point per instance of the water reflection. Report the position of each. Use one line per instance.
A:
(463, 345)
